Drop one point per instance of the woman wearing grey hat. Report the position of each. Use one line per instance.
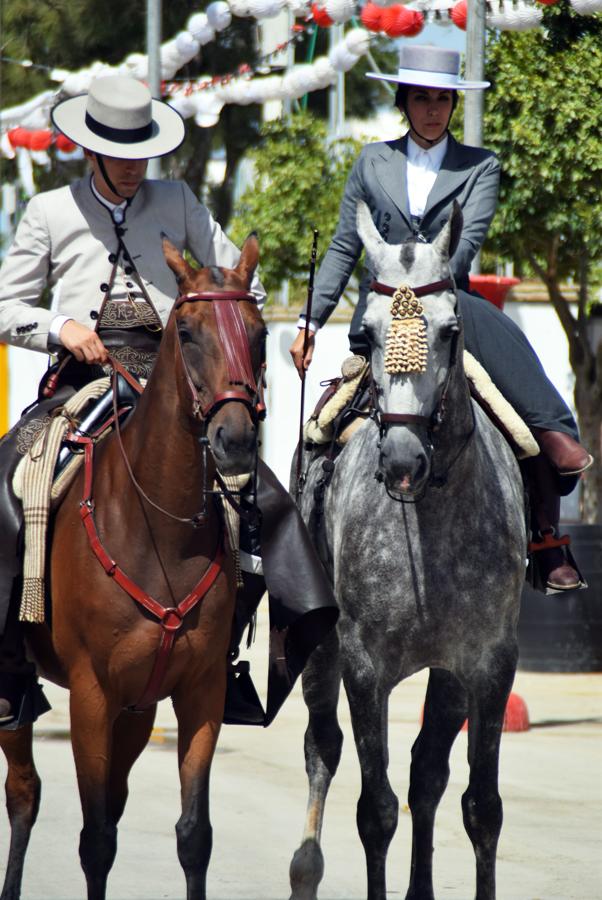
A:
(410, 185)
(98, 244)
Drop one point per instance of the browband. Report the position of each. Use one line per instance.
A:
(213, 295)
(422, 291)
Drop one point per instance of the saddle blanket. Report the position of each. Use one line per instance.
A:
(319, 429)
(39, 491)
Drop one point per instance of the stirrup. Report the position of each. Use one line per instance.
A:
(26, 698)
(537, 578)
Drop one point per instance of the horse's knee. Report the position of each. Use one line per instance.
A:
(323, 745)
(377, 814)
(195, 842)
(23, 790)
(429, 774)
(306, 870)
(483, 814)
(97, 849)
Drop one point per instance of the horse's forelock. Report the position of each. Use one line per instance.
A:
(217, 275)
(407, 255)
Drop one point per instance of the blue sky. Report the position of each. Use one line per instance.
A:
(445, 35)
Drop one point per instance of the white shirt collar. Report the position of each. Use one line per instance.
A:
(433, 157)
(108, 203)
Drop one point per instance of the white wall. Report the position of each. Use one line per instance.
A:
(280, 431)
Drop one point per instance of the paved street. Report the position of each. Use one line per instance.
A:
(550, 779)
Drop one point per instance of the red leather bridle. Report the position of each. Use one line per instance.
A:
(235, 345)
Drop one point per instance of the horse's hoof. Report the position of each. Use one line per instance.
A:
(306, 871)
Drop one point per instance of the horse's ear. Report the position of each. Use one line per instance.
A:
(446, 242)
(175, 260)
(249, 257)
(366, 229)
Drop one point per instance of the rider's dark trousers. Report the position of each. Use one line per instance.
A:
(507, 356)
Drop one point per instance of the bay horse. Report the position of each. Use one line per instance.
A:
(156, 527)
(423, 535)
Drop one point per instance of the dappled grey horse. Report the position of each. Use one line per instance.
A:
(424, 539)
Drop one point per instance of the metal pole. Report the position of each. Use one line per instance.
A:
(474, 71)
(153, 50)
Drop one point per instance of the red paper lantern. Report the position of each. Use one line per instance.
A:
(371, 17)
(320, 16)
(415, 22)
(399, 21)
(459, 13)
(40, 140)
(62, 143)
(19, 137)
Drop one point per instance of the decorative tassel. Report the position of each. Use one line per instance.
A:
(406, 347)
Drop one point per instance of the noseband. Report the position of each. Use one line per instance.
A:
(234, 341)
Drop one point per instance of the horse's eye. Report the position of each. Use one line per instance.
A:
(185, 335)
(449, 331)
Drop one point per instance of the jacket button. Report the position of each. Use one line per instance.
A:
(104, 287)
(112, 258)
(19, 330)
(93, 314)
(120, 231)
(129, 284)
(35, 325)
(128, 270)
(387, 217)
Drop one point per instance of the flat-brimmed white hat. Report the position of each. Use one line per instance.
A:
(118, 117)
(430, 67)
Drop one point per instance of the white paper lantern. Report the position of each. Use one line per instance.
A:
(136, 65)
(515, 18)
(297, 81)
(77, 83)
(299, 8)
(340, 10)
(586, 7)
(25, 170)
(219, 15)
(358, 41)
(208, 109)
(183, 104)
(6, 148)
(341, 58)
(187, 46)
(384, 3)
(239, 7)
(199, 27)
(323, 73)
(265, 9)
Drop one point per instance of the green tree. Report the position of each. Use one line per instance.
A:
(298, 184)
(544, 120)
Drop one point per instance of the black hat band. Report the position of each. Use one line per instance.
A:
(119, 135)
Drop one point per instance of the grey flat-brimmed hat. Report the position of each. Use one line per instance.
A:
(430, 67)
(118, 117)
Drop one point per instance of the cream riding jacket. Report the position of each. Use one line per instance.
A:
(66, 239)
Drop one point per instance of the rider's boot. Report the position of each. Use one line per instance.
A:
(566, 455)
(551, 555)
(243, 706)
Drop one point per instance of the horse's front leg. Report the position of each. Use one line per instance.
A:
(22, 803)
(445, 710)
(489, 689)
(92, 720)
(323, 743)
(377, 808)
(199, 713)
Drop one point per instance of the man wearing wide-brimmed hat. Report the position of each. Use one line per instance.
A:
(410, 186)
(98, 243)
